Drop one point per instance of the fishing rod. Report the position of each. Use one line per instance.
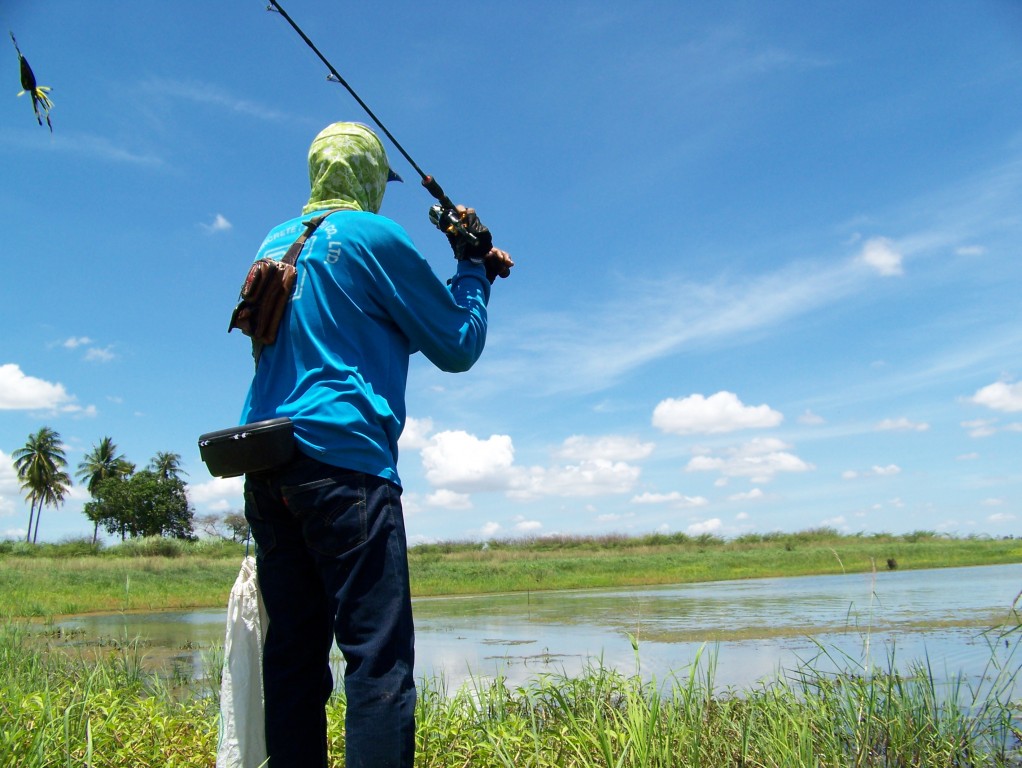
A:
(444, 216)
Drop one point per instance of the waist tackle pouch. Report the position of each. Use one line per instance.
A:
(254, 447)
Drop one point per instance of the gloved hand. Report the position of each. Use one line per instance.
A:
(461, 245)
(498, 264)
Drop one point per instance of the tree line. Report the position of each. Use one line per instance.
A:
(126, 501)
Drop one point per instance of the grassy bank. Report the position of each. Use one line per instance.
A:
(618, 561)
(51, 580)
(107, 713)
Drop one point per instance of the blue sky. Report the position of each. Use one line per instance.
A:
(767, 254)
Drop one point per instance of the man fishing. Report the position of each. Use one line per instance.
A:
(328, 525)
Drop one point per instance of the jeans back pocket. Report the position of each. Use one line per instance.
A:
(332, 512)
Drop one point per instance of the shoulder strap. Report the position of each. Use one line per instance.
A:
(310, 226)
(291, 257)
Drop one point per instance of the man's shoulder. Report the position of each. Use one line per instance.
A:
(376, 231)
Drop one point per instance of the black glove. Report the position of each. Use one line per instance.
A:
(462, 245)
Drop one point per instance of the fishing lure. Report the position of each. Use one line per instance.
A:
(41, 103)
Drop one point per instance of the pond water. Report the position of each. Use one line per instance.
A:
(957, 620)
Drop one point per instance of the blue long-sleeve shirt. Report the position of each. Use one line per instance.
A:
(365, 300)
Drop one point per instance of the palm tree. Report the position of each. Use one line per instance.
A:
(40, 467)
(167, 465)
(52, 495)
(99, 464)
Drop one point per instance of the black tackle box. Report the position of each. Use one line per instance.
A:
(253, 447)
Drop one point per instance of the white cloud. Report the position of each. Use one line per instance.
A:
(811, 419)
(970, 250)
(980, 427)
(608, 448)
(759, 460)
(10, 492)
(220, 494)
(97, 355)
(588, 478)
(706, 526)
(79, 412)
(901, 424)
(674, 498)
(490, 529)
(416, 434)
(1000, 396)
(875, 471)
(752, 495)
(612, 517)
(92, 352)
(528, 526)
(993, 502)
(449, 500)
(890, 469)
(1000, 517)
(879, 254)
(220, 224)
(21, 392)
(461, 461)
(716, 414)
(968, 457)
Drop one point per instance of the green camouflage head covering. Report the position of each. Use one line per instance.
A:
(347, 169)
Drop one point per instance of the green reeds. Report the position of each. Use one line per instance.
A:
(603, 718)
(100, 710)
(104, 710)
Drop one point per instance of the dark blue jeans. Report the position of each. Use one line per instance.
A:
(332, 564)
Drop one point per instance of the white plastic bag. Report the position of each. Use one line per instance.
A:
(242, 729)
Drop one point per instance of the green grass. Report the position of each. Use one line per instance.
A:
(106, 711)
(153, 574)
(103, 710)
(468, 568)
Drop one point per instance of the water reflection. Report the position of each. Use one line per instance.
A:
(755, 629)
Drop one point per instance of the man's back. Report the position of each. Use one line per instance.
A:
(364, 301)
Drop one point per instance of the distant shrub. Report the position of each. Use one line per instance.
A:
(214, 547)
(76, 547)
(17, 548)
(151, 546)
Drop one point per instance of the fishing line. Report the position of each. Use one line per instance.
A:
(428, 181)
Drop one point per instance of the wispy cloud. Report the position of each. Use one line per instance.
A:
(875, 471)
(93, 352)
(651, 319)
(83, 145)
(219, 224)
(212, 95)
(99, 355)
(901, 424)
(592, 350)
